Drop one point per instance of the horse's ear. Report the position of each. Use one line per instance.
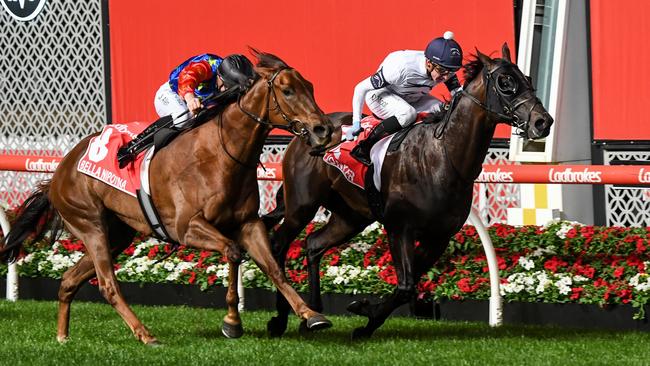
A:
(255, 52)
(505, 51)
(485, 60)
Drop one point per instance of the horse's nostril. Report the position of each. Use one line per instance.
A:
(320, 131)
(540, 124)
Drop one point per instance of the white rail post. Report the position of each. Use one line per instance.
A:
(240, 288)
(496, 303)
(12, 273)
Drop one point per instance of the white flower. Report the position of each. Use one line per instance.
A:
(640, 282)
(565, 226)
(370, 228)
(526, 263)
(358, 246)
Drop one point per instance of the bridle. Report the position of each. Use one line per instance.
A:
(295, 127)
(505, 88)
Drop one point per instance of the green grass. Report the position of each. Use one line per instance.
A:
(192, 336)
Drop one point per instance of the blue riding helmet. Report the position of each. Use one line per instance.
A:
(445, 52)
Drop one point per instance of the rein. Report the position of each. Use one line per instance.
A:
(508, 108)
(295, 127)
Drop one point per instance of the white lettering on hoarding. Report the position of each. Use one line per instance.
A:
(569, 176)
(497, 176)
(41, 165)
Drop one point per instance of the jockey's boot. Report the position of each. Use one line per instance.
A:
(128, 152)
(361, 152)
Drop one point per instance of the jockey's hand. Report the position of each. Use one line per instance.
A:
(193, 103)
(353, 131)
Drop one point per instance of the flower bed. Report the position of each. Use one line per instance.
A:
(563, 262)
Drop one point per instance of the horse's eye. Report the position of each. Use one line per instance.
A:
(287, 92)
(506, 84)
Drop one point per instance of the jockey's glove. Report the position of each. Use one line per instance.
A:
(353, 131)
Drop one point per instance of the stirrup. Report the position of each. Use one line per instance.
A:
(360, 155)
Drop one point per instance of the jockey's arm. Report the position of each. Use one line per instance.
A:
(188, 80)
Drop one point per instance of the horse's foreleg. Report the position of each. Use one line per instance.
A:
(280, 243)
(402, 247)
(232, 327)
(254, 239)
(427, 255)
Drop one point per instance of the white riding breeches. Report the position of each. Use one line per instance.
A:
(167, 102)
(384, 104)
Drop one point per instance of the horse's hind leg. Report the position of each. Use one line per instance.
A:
(121, 236)
(337, 231)
(93, 232)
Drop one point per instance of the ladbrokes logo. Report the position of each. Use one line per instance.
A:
(569, 176)
(644, 176)
(495, 177)
(41, 165)
(23, 10)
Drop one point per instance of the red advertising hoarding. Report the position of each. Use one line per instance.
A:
(334, 43)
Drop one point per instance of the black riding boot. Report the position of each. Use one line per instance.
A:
(386, 127)
(128, 152)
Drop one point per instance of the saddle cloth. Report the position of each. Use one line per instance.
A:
(354, 171)
(100, 162)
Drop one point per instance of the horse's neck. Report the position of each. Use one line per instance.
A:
(469, 133)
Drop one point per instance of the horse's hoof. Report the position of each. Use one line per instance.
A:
(62, 339)
(318, 322)
(359, 307)
(153, 343)
(360, 333)
(232, 331)
(276, 326)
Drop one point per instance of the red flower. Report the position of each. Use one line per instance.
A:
(554, 263)
(294, 250)
(459, 238)
(571, 233)
(211, 279)
(388, 275)
(576, 292)
(335, 260)
(640, 247)
(152, 252)
(192, 278)
(130, 250)
(619, 272)
(463, 285)
(297, 275)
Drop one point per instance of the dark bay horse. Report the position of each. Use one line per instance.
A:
(426, 185)
(204, 185)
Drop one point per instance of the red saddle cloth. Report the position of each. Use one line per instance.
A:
(100, 159)
(339, 156)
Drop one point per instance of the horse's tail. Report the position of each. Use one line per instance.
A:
(274, 217)
(35, 217)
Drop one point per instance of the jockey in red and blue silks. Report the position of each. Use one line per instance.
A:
(196, 77)
(189, 84)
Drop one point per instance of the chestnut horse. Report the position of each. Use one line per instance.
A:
(204, 185)
(426, 185)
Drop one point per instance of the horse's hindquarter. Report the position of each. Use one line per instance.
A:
(421, 189)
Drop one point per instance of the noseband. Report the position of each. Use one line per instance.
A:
(505, 89)
(295, 127)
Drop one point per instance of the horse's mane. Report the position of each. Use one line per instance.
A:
(268, 60)
(472, 69)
